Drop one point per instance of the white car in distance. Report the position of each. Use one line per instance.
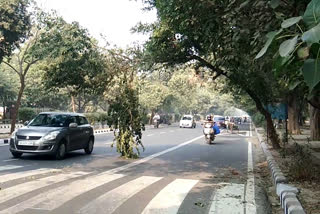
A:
(187, 121)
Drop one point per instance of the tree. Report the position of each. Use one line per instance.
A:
(14, 25)
(221, 36)
(152, 95)
(125, 112)
(297, 51)
(7, 92)
(21, 64)
(77, 62)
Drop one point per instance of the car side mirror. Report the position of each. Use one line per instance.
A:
(26, 123)
(73, 125)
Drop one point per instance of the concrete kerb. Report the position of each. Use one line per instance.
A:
(287, 194)
(4, 141)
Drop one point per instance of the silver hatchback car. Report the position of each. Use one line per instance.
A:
(53, 133)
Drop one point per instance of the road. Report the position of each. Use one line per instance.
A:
(177, 173)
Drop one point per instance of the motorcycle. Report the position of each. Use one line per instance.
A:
(156, 123)
(208, 132)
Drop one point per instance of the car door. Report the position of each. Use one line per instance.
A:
(74, 134)
(84, 129)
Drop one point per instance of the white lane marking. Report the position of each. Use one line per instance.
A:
(162, 132)
(25, 174)
(110, 201)
(63, 194)
(247, 133)
(228, 200)
(150, 157)
(15, 191)
(149, 135)
(9, 167)
(169, 199)
(250, 205)
(171, 131)
(10, 160)
(250, 130)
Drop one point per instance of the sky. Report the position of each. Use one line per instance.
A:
(112, 18)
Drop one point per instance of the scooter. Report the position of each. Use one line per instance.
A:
(156, 123)
(208, 133)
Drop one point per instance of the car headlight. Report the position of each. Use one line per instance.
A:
(13, 135)
(51, 135)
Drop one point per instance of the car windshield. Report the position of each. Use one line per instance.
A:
(50, 120)
(219, 119)
(187, 118)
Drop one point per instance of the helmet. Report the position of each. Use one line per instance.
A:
(209, 117)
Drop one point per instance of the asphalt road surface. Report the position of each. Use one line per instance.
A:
(177, 173)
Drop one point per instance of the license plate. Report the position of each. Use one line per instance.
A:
(26, 143)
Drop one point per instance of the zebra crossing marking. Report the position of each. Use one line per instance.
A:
(169, 199)
(18, 190)
(64, 193)
(9, 167)
(25, 174)
(110, 201)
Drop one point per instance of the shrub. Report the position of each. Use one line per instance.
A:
(26, 114)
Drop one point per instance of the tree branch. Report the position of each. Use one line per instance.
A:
(209, 65)
(8, 64)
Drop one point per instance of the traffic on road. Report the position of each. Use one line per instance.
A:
(177, 173)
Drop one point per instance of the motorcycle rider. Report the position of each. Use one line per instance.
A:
(209, 119)
(156, 119)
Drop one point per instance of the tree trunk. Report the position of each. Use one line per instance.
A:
(293, 114)
(314, 123)
(79, 104)
(73, 104)
(151, 117)
(4, 111)
(17, 105)
(272, 133)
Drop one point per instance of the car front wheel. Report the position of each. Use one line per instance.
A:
(61, 151)
(89, 147)
(16, 154)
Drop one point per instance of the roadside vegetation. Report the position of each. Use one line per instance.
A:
(202, 57)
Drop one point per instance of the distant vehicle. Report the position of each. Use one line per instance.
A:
(53, 133)
(187, 121)
(220, 120)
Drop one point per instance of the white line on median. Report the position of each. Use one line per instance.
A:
(250, 205)
(148, 158)
(149, 135)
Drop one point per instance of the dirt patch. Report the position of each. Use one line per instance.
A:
(301, 170)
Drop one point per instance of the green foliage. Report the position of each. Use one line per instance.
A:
(14, 25)
(125, 115)
(302, 38)
(76, 63)
(311, 72)
(26, 114)
(312, 14)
